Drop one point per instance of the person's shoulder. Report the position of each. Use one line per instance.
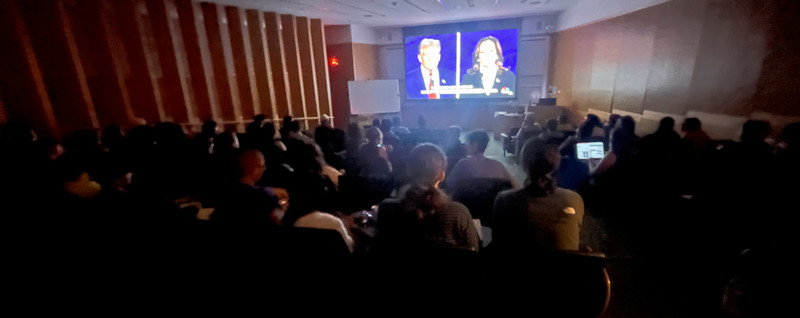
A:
(389, 204)
(567, 194)
(510, 193)
(318, 217)
(457, 208)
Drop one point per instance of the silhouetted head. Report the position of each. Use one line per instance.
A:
(287, 119)
(691, 124)
(16, 132)
(563, 119)
(626, 124)
(453, 133)
(666, 124)
(169, 134)
(791, 135)
(226, 142)
(82, 141)
(396, 121)
(386, 125)
(421, 122)
(593, 120)
(540, 160)
(585, 130)
(374, 135)
(112, 137)
(209, 128)
(426, 165)
(251, 166)
(293, 126)
(755, 130)
(623, 143)
(477, 141)
(552, 124)
(612, 120)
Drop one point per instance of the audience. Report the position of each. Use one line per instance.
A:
(151, 186)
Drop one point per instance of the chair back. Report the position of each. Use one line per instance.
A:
(478, 195)
(550, 283)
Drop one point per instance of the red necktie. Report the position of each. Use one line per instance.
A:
(430, 86)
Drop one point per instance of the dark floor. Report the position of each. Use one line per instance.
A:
(659, 283)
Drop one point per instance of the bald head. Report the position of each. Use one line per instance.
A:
(251, 166)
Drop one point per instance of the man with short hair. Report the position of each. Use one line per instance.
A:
(476, 165)
(428, 76)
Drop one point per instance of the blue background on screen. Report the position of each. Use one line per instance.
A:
(508, 42)
(449, 51)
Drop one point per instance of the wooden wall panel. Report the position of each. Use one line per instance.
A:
(562, 54)
(69, 65)
(175, 86)
(3, 113)
(132, 56)
(778, 86)
(56, 51)
(262, 53)
(604, 67)
(24, 93)
(713, 56)
(729, 59)
(99, 54)
(242, 61)
(635, 53)
(150, 53)
(321, 65)
(199, 61)
(293, 67)
(277, 61)
(219, 46)
(582, 69)
(305, 48)
(674, 54)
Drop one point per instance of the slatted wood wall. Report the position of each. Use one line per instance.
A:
(67, 65)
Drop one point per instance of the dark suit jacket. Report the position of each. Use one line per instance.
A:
(505, 78)
(415, 82)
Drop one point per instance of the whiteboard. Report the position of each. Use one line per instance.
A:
(374, 97)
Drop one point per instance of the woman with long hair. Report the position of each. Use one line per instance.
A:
(487, 71)
(540, 216)
(422, 218)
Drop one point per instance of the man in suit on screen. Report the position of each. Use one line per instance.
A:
(428, 76)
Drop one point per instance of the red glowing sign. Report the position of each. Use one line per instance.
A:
(334, 61)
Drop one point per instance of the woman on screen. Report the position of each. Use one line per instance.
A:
(487, 70)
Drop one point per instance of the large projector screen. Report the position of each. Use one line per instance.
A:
(462, 65)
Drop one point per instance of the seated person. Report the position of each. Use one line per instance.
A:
(476, 165)
(540, 216)
(245, 205)
(421, 218)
